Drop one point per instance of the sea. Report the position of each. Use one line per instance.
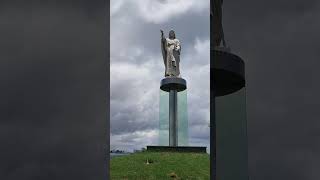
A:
(112, 155)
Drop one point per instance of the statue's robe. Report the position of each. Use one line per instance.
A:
(171, 56)
(216, 14)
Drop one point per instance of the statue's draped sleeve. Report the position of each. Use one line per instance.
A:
(216, 12)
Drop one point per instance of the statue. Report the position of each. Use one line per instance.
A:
(216, 14)
(171, 49)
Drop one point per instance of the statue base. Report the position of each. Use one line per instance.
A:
(227, 72)
(173, 83)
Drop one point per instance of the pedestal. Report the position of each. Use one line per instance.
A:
(228, 138)
(173, 85)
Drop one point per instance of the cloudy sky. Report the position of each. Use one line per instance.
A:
(136, 68)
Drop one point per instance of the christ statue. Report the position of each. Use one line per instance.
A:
(171, 49)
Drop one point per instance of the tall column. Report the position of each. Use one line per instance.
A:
(173, 118)
(173, 85)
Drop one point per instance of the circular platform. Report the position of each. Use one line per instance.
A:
(227, 71)
(173, 83)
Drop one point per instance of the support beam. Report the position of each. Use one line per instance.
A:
(173, 118)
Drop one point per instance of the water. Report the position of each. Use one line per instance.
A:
(112, 155)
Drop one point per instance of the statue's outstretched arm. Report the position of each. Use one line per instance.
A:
(163, 48)
(162, 36)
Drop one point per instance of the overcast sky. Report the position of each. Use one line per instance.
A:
(136, 68)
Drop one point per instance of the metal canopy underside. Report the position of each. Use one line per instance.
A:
(173, 83)
(227, 71)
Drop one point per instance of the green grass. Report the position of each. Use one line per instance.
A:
(180, 166)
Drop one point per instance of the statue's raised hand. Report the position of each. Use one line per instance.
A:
(161, 32)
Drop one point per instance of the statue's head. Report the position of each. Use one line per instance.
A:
(172, 35)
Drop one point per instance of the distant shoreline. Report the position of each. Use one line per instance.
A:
(118, 154)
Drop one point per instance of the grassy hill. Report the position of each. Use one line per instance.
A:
(160, 166)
